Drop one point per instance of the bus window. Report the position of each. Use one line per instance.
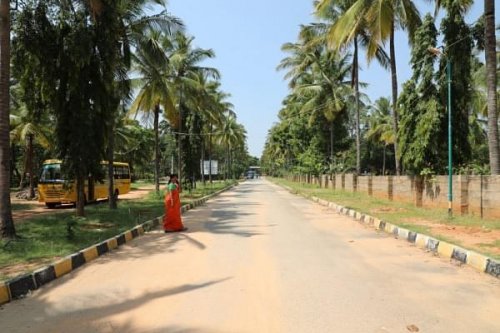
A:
(51, 173)
(117, 172)
(126, 172)
(121, 172)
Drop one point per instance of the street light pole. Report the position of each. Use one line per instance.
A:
(450, 142)
(441, 53)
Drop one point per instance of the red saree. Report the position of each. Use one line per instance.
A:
(172, 219)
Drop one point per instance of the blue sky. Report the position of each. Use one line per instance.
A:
(247, 36)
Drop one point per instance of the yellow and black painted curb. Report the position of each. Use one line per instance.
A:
(443, 249)
(22, 285)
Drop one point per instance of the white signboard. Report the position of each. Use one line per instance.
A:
(206, 167)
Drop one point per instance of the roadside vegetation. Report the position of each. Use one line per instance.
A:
(327, 123)
(136, 89)
(46, 238)
(470, 232)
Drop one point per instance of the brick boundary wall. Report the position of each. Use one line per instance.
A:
(474, 195)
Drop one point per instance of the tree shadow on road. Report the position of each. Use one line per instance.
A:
(90, 314)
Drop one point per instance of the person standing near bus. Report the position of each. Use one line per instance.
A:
(172, 221)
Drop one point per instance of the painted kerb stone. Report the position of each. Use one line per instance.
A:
(493, 268)
(44, 275)
(21, 286)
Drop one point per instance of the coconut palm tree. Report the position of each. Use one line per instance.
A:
(318, 76)
(28, 131)
(184, 68)
(331, 10)
(124, 24)
(151, 63)
(380, 19)
(230, 135)
(211, 106)
(7, 228)
(328, 93)
(223, 108)
(491, 70)
(380, 127)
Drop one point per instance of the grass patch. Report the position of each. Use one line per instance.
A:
(140, 183)
(23, 206)
(421, 229)
(53, 236)
(494, 244)
(486, 248)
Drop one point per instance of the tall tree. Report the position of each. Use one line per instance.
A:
(331, 10)
(491, 72)
(122, 25)
(327, 93)
(231, 135)
(380, 127)
(381, 17)
(457, 37)
(66, 44)
(185, 66)
(319, 79)
(155, 90)
(421, 114)
(211, 105)
(28, 130)
(6, 221)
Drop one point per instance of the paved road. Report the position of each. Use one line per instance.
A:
(258, 259)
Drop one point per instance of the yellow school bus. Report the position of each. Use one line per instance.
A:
(54, 190)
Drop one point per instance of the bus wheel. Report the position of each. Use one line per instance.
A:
(50, 205)
(116, 195)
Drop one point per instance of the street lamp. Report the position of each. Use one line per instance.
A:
(440, 52)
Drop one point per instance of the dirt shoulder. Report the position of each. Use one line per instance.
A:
(473, 237)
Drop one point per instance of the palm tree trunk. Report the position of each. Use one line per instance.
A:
(231, 164)
(157, 148)
(355, 69)
(203, 159)
(491, 80)
(25, 168)
(331, 144)
(383, 161)
(80, 195)
(227, 163)
(210, 155)
(13, 170)
(110, 152)
(180, 138)
(394, 81)
(30, 166)
(7, 228)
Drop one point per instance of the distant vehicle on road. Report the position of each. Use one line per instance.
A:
(253, 172)
(250, 175)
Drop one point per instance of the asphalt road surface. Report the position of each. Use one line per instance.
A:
(258, 259)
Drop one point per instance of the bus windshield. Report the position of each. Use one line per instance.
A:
(51, 173)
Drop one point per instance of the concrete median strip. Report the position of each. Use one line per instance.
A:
(443, 249)
(22, 285)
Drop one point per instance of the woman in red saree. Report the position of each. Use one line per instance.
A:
(172, 221)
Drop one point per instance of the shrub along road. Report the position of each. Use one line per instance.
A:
(259, 259)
